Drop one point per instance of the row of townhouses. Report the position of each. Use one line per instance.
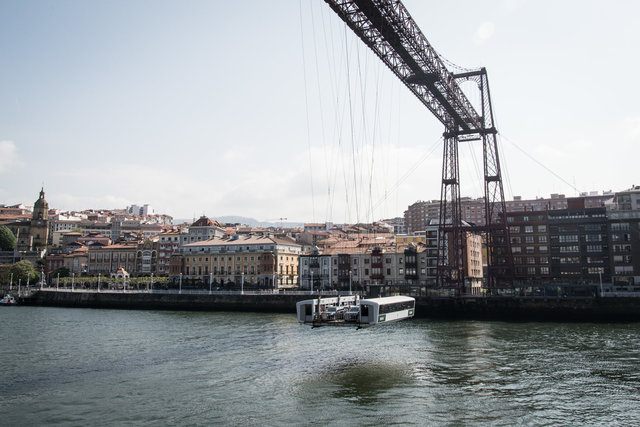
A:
(584, 239)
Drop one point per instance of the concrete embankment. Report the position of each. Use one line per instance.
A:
(275, 303)
(495, 308)
(579, 309)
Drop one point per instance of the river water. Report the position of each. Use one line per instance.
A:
(115, 367)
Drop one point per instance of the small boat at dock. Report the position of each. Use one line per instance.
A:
(8, 300)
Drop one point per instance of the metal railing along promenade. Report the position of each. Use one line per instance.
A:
(189, 291)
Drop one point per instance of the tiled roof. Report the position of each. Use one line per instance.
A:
(203, 221)
(241, 240)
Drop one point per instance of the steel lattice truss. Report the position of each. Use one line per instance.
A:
(386, 27)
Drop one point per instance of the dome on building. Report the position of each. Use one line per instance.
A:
(41, 202)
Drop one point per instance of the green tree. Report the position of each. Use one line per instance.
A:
(24, 270)
(62, 271)
(7, 239)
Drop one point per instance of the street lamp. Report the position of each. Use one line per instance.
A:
(600, 274)
(210, 281)
(312, 282)
(350, 275)
(41, 279)
(11, 282)
(180, 291)
(98, 282)
(242, 283)
(73, 279)
(151, 283)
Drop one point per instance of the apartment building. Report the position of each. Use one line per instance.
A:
(254, 260)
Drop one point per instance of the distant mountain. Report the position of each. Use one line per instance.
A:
(251, 222)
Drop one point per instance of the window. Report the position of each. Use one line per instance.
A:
(542, 229)
(592, 227)
(528, 228)
(569, 260)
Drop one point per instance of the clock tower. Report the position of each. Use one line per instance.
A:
(40, 223)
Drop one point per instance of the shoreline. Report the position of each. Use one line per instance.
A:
(538, 309)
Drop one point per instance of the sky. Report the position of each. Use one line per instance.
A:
(275, 110)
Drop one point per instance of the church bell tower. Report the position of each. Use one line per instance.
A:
(40, 223)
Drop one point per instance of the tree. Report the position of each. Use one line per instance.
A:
(62, 271)
(23, 270)
(7, 239)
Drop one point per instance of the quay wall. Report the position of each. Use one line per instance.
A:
(577, 309)
(582, 309)
(274, 303)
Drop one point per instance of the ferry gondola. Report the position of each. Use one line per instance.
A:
(349, 311)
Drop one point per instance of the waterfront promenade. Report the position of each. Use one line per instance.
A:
(511, 308)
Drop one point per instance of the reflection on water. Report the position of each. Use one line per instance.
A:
(366, 383)
(363, 383)
(108, 367)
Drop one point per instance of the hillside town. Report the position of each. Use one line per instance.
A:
(592, 238)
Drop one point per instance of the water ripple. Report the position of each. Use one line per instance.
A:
(109, 367)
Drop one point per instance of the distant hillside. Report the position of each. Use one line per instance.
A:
(244, 220)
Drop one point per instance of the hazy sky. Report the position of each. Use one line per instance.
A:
(272, 109)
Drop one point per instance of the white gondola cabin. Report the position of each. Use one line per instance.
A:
(349, 311)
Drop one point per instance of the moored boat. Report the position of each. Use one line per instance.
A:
(8, 300)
